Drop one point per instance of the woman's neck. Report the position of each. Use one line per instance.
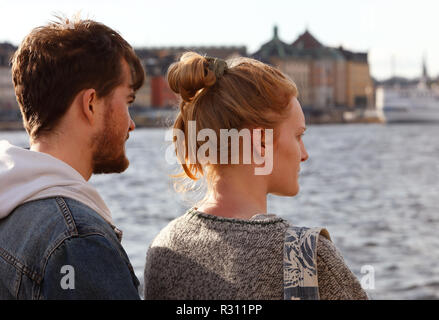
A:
(236, 197)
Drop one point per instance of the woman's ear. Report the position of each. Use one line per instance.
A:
(262, 140)
(258, 143)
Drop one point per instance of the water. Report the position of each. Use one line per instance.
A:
(374, 187)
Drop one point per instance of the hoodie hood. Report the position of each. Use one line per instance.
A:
(29, 175)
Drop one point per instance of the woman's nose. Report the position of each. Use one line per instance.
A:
(305, 155)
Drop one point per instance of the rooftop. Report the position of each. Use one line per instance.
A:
(276, 48)
(306, 41)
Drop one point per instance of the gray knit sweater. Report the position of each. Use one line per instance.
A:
(201, 256)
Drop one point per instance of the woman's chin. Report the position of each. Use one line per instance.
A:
(291, 192)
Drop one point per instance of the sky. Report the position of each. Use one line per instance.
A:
(397, 34)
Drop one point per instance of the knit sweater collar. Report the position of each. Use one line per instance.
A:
(260, 218)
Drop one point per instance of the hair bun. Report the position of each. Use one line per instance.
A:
(190, 74)
(217, 65)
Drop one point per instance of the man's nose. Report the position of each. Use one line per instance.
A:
(132, 125)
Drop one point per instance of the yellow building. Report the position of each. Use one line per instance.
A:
(359, 85)
(298, 71)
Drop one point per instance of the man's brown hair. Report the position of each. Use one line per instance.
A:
(55, 62)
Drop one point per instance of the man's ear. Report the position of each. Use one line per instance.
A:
(88, 105)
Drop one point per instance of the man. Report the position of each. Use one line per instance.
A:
(74, 81)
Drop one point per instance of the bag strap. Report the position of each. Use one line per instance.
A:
(300, 263)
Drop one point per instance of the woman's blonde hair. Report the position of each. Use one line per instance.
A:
(248, 94)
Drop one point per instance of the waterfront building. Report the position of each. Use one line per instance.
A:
(326, 77)
(7, 94)
(291, 61)
(359, 84)
(329, 79)
(6, 52)
(156, 92)
(327, 72)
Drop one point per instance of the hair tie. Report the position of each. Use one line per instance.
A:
(217, 65)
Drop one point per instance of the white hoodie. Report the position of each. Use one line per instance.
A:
(28, 175)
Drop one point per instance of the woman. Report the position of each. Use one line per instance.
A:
(226, 246)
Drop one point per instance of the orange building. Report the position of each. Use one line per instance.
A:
(161, 94)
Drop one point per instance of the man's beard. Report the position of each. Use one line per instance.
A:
(109, 152)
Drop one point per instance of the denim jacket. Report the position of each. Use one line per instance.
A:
(58, 248)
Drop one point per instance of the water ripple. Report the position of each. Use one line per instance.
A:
(374, 187)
